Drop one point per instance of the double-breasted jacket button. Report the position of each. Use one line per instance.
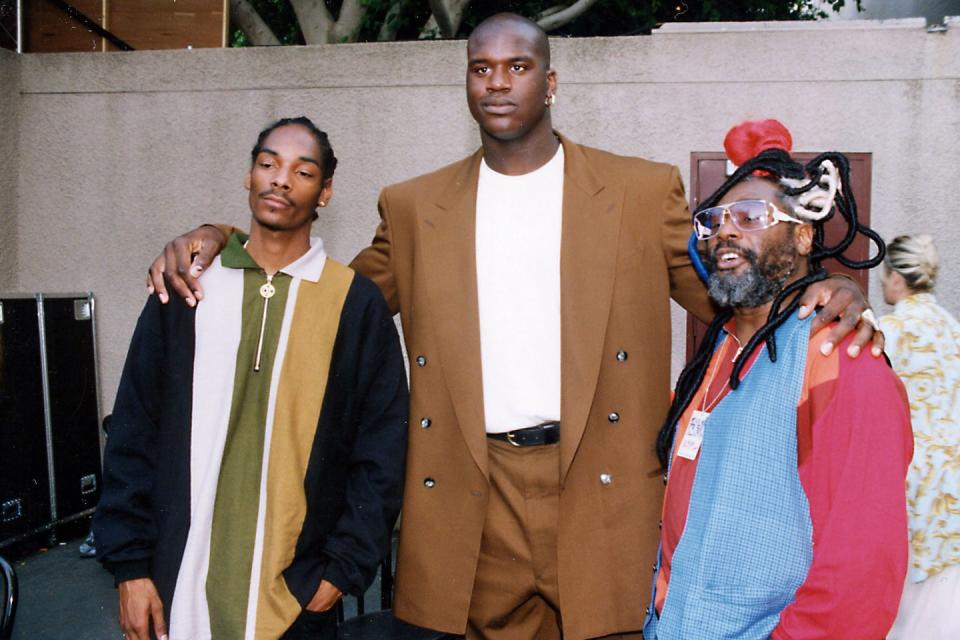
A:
(429, 483)
(660, 525)
(613, 417)
(648, 611)
(654, 567)
(664, 478)
(425, 423)
(421, 361)
(622, 356)
(605, 479)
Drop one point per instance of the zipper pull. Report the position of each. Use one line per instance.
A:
(266, 292)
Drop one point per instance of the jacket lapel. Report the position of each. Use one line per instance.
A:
(447, 230)
(588, 253)
(588, 258)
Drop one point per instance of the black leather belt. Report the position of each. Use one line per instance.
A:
(546, 433)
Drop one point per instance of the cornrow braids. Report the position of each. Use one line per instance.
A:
(328, 161)
(815, 193)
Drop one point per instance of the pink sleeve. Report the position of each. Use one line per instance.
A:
(854, 480)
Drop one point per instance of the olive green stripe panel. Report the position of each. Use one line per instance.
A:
(234, 529)
(303, 382)
(253, 599)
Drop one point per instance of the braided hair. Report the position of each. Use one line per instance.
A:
(328, 161)
(916, 259)
(815, 193)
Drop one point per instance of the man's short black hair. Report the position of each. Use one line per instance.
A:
(328, 161)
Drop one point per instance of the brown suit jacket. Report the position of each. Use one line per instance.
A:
(623, 255)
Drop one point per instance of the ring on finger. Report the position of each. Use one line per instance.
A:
(868, 317)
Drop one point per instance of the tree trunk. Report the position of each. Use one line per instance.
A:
(388, 30)
(244, 16)
(315, 20)
(348, 22)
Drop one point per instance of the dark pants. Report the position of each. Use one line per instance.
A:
(313, 626)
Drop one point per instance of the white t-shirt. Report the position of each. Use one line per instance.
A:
(519, 220)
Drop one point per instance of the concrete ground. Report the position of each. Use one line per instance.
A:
(64, 596)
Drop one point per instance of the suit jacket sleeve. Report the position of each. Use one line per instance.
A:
(376, 261)
(362, 534)
(685, 286)
(123, 523)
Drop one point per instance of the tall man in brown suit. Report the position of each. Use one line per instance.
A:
(516, 530)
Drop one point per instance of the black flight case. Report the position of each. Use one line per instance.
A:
(50, 440)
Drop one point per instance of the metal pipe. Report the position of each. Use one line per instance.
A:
(47, 418)
(19, 26)
(77, 15)
(96, 370)
(104, 9)
(225, 39)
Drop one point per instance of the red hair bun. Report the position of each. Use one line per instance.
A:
(748, 139)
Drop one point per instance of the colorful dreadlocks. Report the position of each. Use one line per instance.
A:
(815, 192)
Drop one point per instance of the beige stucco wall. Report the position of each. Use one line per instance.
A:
(9, 133)
(119, 152)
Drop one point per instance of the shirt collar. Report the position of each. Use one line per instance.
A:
(309, 266)
(556, 159)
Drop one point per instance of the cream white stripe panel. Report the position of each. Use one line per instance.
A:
(217, 332)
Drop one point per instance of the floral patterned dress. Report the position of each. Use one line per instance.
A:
(923, 343)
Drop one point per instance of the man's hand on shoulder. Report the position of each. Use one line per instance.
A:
(139, 605)
(181, 263)
(841, 298)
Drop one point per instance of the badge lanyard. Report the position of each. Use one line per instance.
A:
(693, 436)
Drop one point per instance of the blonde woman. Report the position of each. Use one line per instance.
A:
(923, 343)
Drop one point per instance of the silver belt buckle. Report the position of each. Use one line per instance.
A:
(511, 440)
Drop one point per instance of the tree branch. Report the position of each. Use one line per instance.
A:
(245, 17)
(448, 14)
(551, 10)
(348, 22)
(315, 20)
(388, 30)
(550, 20)
(429, 30)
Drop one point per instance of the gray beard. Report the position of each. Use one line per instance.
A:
(745, 291)
(758, 285)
